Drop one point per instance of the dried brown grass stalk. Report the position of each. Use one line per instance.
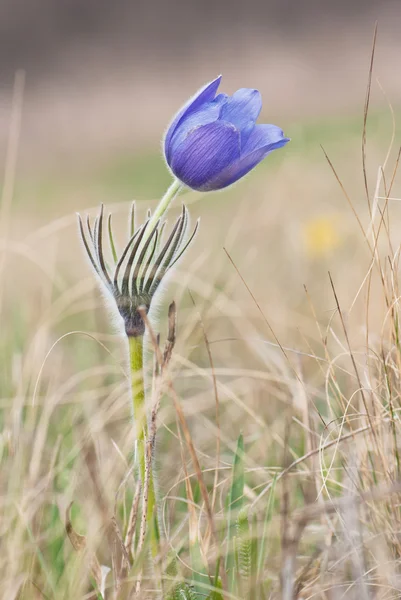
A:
(191, 448)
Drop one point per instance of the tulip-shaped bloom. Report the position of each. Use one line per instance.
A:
(213, 140)
(136, 274)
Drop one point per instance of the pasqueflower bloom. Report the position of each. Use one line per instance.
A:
(214, 140)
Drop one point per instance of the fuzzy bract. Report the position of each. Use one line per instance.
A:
(133, 276)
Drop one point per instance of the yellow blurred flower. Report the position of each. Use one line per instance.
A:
(321, 236)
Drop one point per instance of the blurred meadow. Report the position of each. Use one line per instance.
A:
(287, 303)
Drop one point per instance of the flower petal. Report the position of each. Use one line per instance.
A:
(262, 136)
(205, 94)
(207, 113)
(262, 141)
(242, 110)
(205, 153)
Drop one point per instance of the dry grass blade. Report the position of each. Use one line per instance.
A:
(378, 493)
(129, 538)
(216, 397)
(114, 537)
(145, 502)
(365, 118)
(340, 183)
(79, 544)
(191, 448)
(361, 388)
(41, 592)
(171, 336)
(192, 517)
(289, 540)
(271, 330)
(308, 455)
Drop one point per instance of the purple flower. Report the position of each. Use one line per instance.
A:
(213, 140)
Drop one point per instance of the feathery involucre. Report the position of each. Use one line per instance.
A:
(133, 276)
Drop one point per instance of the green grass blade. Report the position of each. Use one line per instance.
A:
(253, 582)
(42, 562)
(235, 503)
(216, 594)
(199, 576)
(268, 516)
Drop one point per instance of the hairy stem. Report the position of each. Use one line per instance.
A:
(164, 204)
(142, 436)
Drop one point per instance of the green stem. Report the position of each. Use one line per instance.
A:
(164, 203)
(142, 434)
(138, 388)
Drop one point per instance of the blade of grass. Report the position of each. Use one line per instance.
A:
(235, 503)
(268, 515)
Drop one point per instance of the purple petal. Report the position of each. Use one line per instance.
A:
(205, 153)
(262, 141)
(205, 94)
(207, 113)
(262, 136)
(242, 110)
